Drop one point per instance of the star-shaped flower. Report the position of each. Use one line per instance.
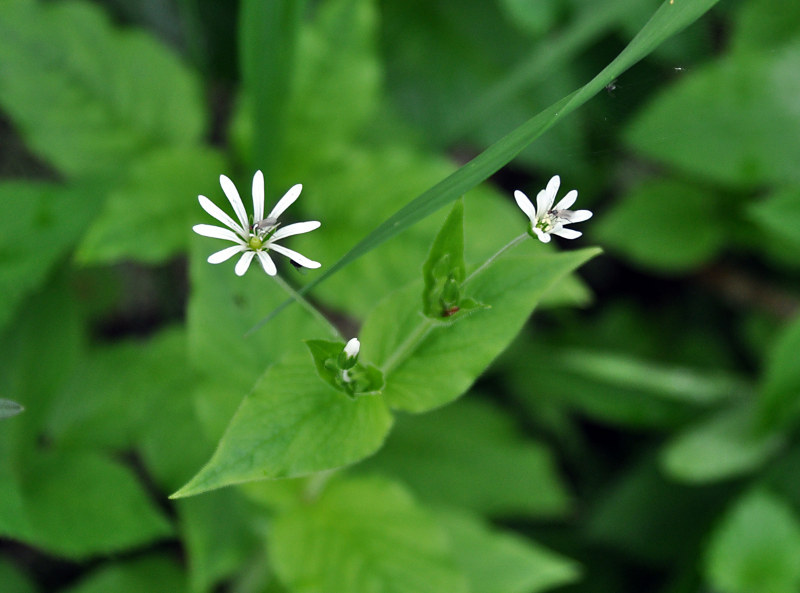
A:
(547, 220)
(254, 239)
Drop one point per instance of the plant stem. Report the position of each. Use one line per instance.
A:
(488, 262)
(409, 345)
(309, 307)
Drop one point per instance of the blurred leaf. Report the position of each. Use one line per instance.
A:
(725, 446)
(118, 390)
(779, 214)
(268, 34)
(664, 224)
(9, 408)
(13, 580)
(67, 498)
(756, 547)
(532, 16)
(149, 573)
(220, 532)
(497, 562)
(779, 404)
(40, 224)
(734, 121)
(427, 366)
(763, 24)
(148, 217)
(291, 424)
(471, 455)
(361, 536)
(89, 98)
(649, 517)
(667, 21)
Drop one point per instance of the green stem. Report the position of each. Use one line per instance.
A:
(501, 251)
(410, 344)
(309, 307)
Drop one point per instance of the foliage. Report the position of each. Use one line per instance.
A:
(167, 425)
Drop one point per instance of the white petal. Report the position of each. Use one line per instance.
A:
(287, 200)
(233, 197)
(580, 215)
(209, 230)
(294, 256)
(297, 228)
(567, 200)
(225, 254)
(267, 263)
(543, 237)
(352, 347)
(525, 205)
(215, 211)
(546, 197)
(244, 263)
(567, 233)
(258, 196)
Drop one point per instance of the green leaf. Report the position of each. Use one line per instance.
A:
(724, 446)
(762, 24)
(363, 536)
(779, 404)
(150, 573)
(291, 424)
(67, 498)
(427, 366)
(9, 408)
(668, 20)
(148, 218)
(75, 88)
(734, 121)
(268, 33)
(497, 562)
(220, 535)
(779, 214)
(365, 379)
(756, 547)
(13, 580)
(471, 455)
(668, 225)
(444, 270)
(39, 225)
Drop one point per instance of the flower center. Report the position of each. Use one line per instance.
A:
(547, 222)
(255, 242)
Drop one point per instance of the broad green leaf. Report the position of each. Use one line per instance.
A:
(13, 580)
(779, 214)
(756, 547)
(497, 562)
(363, 535)
(149, 216)
(68, 498)
(9, 408)
(40, 223)
(150, 573)
(221, 533)
(725, 446)
(427, 366)
(668, 225)
(222, 307)
(779, 404)
(89, 98)
(118, 390)
(668, 20)
(471, 455)
(291, 424)
(734, 121)
(532, 17)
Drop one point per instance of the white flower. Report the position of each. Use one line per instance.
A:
(547, 220)
(352, 347)
(258, 238)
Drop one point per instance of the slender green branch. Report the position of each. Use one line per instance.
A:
(410, 344)
(309, 307)
(501, 251)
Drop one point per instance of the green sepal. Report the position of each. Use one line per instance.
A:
(444, 272)
(365, 379)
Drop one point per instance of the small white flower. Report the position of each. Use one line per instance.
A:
(352, 347)
(547, 220)
(258, 238)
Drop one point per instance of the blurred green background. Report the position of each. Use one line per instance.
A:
(639, 435)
